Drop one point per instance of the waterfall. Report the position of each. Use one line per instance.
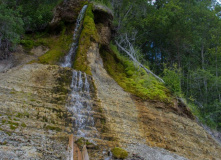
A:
(80, 106)
(70, 56)
(79, 99)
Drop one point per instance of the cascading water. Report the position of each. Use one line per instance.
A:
(70, 56)
(79, 105)
(79, 98)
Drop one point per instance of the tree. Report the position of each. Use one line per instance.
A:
(11, 27)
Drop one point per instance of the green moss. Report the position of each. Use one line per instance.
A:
(119, 153)
(63, 80)
(3, 121)
(13, 125)
(103, 121)
(80, 142)
(89, 34)
(23, 125)
(30, 42)
(3, 143)
(49, 127)
(105, 129)
(89, 143)
(12, 92)
(19, 115)
(131, 78)
(129, 73)
(26, 114)
(59, 46)
(32, 100)
(27, 43)
(45, 119)
(8, 133)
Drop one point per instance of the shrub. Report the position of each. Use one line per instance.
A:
(119, 153)
(172, 80)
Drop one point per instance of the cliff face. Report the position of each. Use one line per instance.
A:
(36, 122)
(137, 124)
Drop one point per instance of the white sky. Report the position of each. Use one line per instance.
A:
(219, 1)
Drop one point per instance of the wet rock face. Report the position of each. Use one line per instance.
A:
(66, 12)
(34, 121)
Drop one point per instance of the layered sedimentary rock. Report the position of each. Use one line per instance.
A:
(34, 121)
(137, 125)
(66, 12)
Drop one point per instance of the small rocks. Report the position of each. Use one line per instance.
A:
(135, 157)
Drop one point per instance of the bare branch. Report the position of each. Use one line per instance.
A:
(135, 60)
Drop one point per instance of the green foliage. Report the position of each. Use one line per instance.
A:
(58, 45)
(132, 78)
(23, 125)
(186, 33)
(36, 13)
(13, 125)
(27, 44)
(21, 115)
(119, 153)
(88, 35)
(80, 142)
(3, 143)
(49, 127)
(11, 26)
(23, 15)
(172, 80)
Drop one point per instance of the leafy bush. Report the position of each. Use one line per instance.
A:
(119, 153)
(11, 27)
(23, 15)
(36, 13)
(172, 80)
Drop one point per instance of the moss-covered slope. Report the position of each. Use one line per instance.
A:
(88, 35)
(133, 78)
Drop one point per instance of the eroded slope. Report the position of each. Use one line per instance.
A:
(32, 113)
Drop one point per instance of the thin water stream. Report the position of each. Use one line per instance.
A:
(79, 99)
(68, 60)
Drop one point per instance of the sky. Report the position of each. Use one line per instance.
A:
(219, 1)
